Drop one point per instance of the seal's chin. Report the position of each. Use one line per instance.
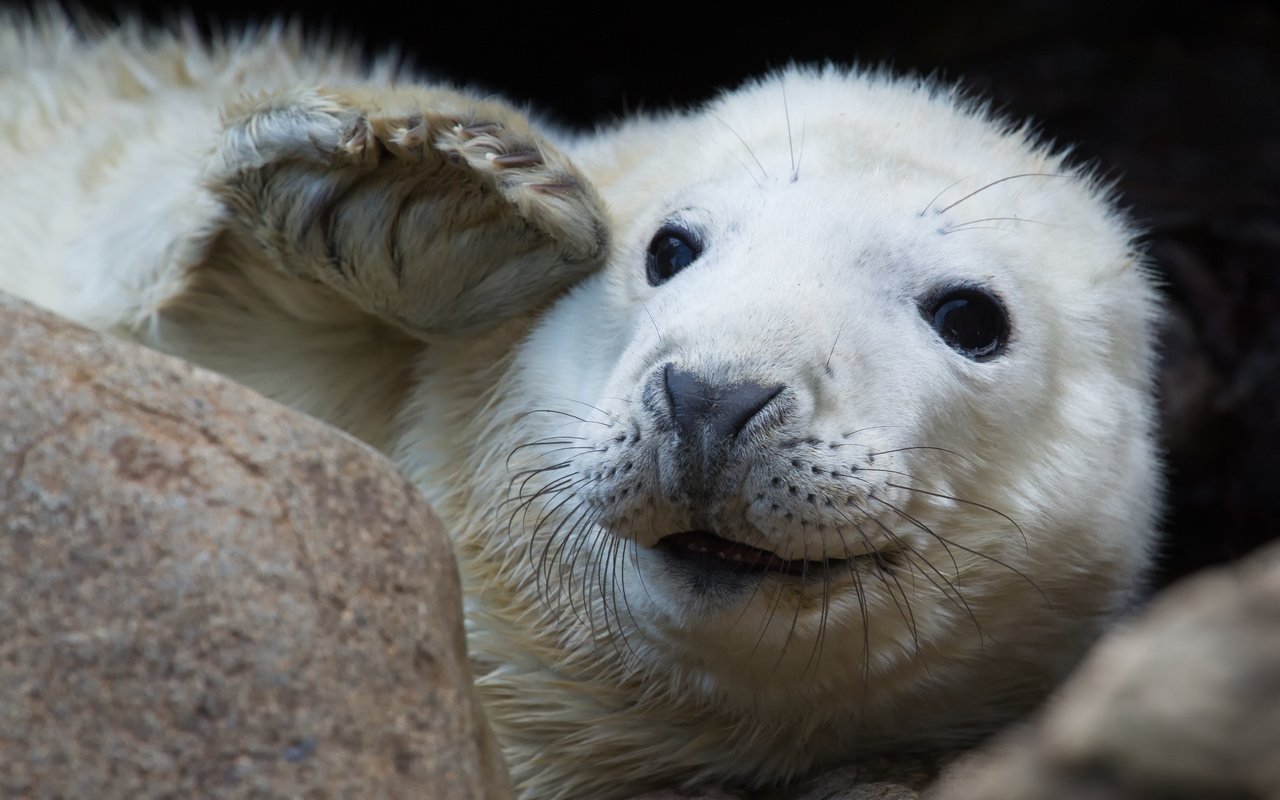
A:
(711, 555)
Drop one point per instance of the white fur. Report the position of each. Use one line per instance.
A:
(829, 202)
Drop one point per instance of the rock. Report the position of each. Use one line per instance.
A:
(1183, 703)
(691, 794)
(874, 778)
(880, 778)
(204, 594)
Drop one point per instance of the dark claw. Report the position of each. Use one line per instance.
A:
(524, 158)
(565, 186)
(356, 135)
(415, 136)
(478, 129)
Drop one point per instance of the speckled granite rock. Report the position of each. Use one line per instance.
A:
(203, 594)
(1185, 703)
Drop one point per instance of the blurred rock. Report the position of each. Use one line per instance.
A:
(875, 778)
(872, 779)
(203, 594)
(1184, 703)
(691, 794)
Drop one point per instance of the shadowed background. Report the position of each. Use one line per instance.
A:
(1182, 107)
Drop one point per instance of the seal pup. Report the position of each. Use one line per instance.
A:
(812, 422)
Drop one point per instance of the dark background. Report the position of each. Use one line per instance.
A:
(1181, 105)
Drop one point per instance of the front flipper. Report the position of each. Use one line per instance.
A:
(437, 212)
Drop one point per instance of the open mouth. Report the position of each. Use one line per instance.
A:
(706, 551)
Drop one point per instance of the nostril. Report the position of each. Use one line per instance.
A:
(690, 396)
(741, 402)
(719, 410)
(670, 374)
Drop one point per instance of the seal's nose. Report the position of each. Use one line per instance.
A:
(717, 412)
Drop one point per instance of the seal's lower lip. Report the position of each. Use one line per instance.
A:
(710, 551)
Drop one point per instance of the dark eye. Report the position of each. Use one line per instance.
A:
(972, 321)
(673, 248)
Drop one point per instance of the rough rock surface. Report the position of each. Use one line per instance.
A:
(1183, 704)
(204, 594)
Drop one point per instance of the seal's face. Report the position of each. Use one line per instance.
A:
(873, 413)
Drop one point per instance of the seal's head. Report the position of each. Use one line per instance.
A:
(855, 428)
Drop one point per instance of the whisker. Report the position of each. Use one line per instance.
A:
(606, 414)
(744, 144)
(635, 560)
(955, 565)
(573, 538)
(745, 168)
(585, 448)
(604, 544)
(530, 474)
(836, 341)
(955, 590)
(975, 228)
(965, 458)
(860, 591)
(853, 433)
(948, 543)
(589, 578)
(617, 584)
(543, 567)
(563, 414)
(795, 176)
(525, 501)
(754, 591)
(960, 226)
(997, 182)
(541, 443)
(545, 515)
(645, 306)
(951, 186)
(570, 484)
(567, 461)
(581, 538)
(795, 617)
(619, 573)
(791, 146)
(855, 476)
(997, 512)
(768, 620)
(815, 652)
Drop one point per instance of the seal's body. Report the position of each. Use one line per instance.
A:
(812, 422)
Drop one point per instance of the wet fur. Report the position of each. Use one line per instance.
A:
(244, 206)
